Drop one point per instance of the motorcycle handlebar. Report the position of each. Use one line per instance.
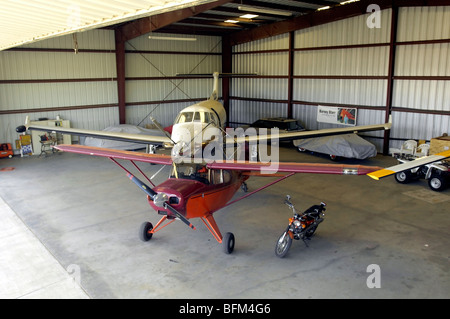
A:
(287, 201)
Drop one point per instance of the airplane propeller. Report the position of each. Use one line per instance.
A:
(160, 199)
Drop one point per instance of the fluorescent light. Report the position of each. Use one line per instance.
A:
(264, 10)
(324, 8)
(171, 38)
(347, 2)
(231, 21)
(248, 16)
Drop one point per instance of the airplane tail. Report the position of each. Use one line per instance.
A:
(215, 93)
(216, 75)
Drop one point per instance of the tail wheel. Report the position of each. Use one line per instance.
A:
(144, 232)
(283, 245)
(228, 243)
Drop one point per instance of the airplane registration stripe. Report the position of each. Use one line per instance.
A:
(381, 173)
(409, 165)
(444, 154)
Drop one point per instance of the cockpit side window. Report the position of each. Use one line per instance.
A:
(213, 119)
(206, 117)
(203, 117)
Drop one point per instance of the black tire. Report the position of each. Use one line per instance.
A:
(228, 243)
(144, 234)
(404, 177)
(437, 182)
(283, 245)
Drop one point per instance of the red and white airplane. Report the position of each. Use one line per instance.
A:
(199, 188)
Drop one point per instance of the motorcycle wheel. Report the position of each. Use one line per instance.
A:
(283, 245)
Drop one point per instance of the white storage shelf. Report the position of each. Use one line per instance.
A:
(60, 138)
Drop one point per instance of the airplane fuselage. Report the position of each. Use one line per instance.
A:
(196, 125)
(196, 191)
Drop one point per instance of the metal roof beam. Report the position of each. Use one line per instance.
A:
(335, 13)
(145, 25)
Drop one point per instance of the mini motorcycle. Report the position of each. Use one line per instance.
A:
(301, 226)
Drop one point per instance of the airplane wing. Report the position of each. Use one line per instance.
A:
(118, 136)
(272, 170)
(264, 168)
(285, 167)
(110, 153)
(308, 134)
(409, 165)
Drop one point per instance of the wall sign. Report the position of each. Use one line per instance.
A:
(336, 115)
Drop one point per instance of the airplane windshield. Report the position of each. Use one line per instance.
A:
(184, 117)
(200, 173)
(190, 171)
(203, 117)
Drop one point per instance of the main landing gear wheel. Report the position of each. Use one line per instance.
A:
(228, 243)
(144, 232)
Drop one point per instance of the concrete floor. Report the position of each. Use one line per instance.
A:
(70, 230)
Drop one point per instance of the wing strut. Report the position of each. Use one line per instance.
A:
(260, 189)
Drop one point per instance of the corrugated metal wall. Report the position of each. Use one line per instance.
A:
(145, 62)
(347, 63)
(266, 58)
(347, 73)
(343, 62)
(49, 75)
(347, 66)
(422, 86)
(82, 87)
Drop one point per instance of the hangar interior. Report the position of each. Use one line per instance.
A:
(391, 60)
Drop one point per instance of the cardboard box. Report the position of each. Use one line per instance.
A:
(25, 139)
(439, 144)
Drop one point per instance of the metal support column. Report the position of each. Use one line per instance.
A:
(390, 84)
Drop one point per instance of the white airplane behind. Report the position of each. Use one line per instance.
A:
(191, 124)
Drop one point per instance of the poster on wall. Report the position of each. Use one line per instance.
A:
(336, 115)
